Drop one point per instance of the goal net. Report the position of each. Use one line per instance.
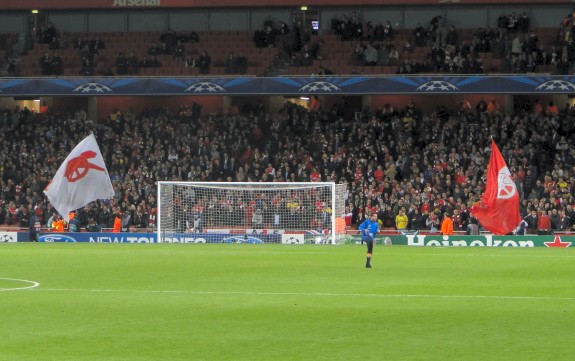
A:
(251, 212)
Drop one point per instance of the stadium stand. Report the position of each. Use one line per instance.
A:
(447, 172)
(217, 45)
(489, 50)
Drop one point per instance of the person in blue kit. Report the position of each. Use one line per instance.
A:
(369, 229)
(34, 228)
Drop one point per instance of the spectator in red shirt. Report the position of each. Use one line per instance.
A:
(544, 223)
(552, 109)
(314, 176)
(379, 174)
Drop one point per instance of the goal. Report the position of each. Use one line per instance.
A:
(251, 212)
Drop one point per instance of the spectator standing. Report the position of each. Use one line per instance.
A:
(415, 220)
(370, 55)
(35, 227)
(564, 222)
(447, 225)
(521, 228)
(543, 222)
(204, 62)
(179, 52)
(231, 64)
(472, 227)
(401, 221)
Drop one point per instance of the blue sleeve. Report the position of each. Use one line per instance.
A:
(362, 226)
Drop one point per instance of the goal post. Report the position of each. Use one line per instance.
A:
(251, 212)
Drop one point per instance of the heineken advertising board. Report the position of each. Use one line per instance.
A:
(487, 240)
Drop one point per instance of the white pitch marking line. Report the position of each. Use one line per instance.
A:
(323, 294)
(33, 284)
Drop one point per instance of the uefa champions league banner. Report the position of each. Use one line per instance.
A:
(8, 237)
(325, 85)
(220, 238)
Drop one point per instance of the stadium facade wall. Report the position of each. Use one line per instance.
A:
(95, 4)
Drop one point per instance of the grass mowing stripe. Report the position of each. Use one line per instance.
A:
(287, 250)
(310, 294)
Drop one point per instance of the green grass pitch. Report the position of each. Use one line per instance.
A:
(277, 302)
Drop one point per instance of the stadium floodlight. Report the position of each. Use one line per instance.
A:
(251, 212)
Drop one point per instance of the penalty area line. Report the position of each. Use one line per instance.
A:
(312, 294)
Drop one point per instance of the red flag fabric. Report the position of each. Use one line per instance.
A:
(498, 209)
(81, 179)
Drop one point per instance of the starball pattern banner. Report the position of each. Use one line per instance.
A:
(358, 85)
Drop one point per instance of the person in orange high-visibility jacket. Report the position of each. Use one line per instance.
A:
(57, 224)
(447, 225)
(117, 222)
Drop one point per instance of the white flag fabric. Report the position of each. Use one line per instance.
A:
(81, 179)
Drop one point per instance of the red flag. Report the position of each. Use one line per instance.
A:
(498, 209)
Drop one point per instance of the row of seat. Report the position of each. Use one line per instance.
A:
(218, 45)
(162, 71)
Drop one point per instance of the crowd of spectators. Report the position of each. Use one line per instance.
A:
(46, 34)
(426, 164)
(513, 41)
(447, 53)
(51, 64)
(294, 41)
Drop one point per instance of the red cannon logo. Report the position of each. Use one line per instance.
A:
(78, 167)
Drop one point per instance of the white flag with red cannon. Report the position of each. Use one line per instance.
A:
(81, 179)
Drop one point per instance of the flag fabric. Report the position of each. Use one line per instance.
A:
(498, 209)
(81, 179)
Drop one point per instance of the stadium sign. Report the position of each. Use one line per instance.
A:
(8, 237)
(183, 240)
(95, 237)
(468, 241)
(127, 239)
(60, 238)
(220, 238)
(136, 3)
(293, 239)
(264, 231)
(486, 240)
